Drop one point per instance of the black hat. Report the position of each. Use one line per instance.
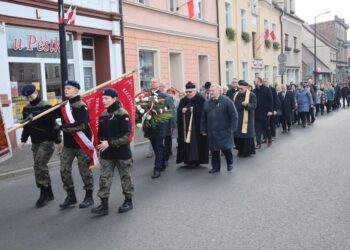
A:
(72, 83)
(28, 89)
(190, 85)
(110, 92)
(207, 85)
(242, 83)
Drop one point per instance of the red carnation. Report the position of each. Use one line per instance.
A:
(150, 112)
(158, 116)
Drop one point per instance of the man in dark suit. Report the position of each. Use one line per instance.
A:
(287, 101)
(263, 112)
(231, 92)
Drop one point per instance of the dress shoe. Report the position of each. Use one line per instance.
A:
(258, 146)
(214, 170)
(229, 167)
(156, 174)
(269, 143)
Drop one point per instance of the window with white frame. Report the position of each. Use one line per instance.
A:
(245, 71)
(254, 7)
(274, 28)
(172, 5)
(286, 40)
(148, 63)
(266, 25)
(228, 15)
(266, 72)
(274, 74)
(141, 1)
(199, 3)
(229, 72)
(295, 42)
(243, 21)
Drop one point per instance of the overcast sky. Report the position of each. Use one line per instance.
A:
(308, 9)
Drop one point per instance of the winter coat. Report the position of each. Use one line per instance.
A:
(321, 97)
(304, 100)
(287, 106)
(219, 121)
(330, 94)
(251, 117)
(264, 102)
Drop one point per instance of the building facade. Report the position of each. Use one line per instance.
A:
(31, 55)
(246, 54)
(326, 56)
(336, 32)
(292, 43)
(163, 42)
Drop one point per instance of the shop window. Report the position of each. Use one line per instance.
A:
(22, 74)
(148, 65)
(54, 82)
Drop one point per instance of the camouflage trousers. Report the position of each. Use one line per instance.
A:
(106, 177)
(42, 153)
(67, 157)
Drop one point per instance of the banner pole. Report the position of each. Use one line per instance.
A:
(20, 125)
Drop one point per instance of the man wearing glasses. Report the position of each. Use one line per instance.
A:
(43, 136)
(192, 145)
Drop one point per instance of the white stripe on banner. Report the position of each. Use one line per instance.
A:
(81, 134)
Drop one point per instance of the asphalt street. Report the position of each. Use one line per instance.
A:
(294, 195)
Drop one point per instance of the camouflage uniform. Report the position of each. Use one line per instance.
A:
(72, 149)
(114, 126)
(67, 157)
(43, 135)
(42, 153)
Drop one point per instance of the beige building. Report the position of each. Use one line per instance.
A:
(246, 54)
(164, 43)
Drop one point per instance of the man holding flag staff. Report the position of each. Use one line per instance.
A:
(113, 132)
(77, 143)
(43, 136)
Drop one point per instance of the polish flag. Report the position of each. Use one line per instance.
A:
(266, 34)
(69, 16)
(193, 8)
(273, 36)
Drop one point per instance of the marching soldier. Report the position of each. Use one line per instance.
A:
(192, 145)
(43, 136)
(76, 144)
(113, 132)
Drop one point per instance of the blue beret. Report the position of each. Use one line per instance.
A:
(190, 85)
(28, 89)
(110, 92)
(72, 83)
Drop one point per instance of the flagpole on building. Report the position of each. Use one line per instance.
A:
(63, 49)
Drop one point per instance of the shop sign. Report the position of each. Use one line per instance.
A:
(258, 64)
(28, 42)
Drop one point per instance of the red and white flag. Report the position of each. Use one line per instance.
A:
(193, 8)
(273, 36)
(69, 17)
(266, 34)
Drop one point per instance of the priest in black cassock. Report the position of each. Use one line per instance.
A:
(246, 103)
(192, 146)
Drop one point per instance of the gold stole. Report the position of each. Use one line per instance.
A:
(245, 112)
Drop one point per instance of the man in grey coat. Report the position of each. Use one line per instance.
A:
(218, 122)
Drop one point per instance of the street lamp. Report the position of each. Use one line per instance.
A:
(315, 72)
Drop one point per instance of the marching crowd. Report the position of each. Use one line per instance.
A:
(212, 122)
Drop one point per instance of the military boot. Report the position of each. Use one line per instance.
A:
(43, 198)
(126, 206)
(71, 199)
(88, 200)
(50, 193)
(102, 209)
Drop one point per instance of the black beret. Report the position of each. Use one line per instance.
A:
(110, 92)
(190, 85)
(72, 83)
(242, 83)
(207, 85)
(28, 89)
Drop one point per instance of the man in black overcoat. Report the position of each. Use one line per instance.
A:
(287, 101)
(195, 151)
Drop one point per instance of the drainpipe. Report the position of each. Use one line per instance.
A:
(218, 35)
(281, 16)
(122, 34)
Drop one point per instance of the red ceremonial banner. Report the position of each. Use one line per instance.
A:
(125, 88)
